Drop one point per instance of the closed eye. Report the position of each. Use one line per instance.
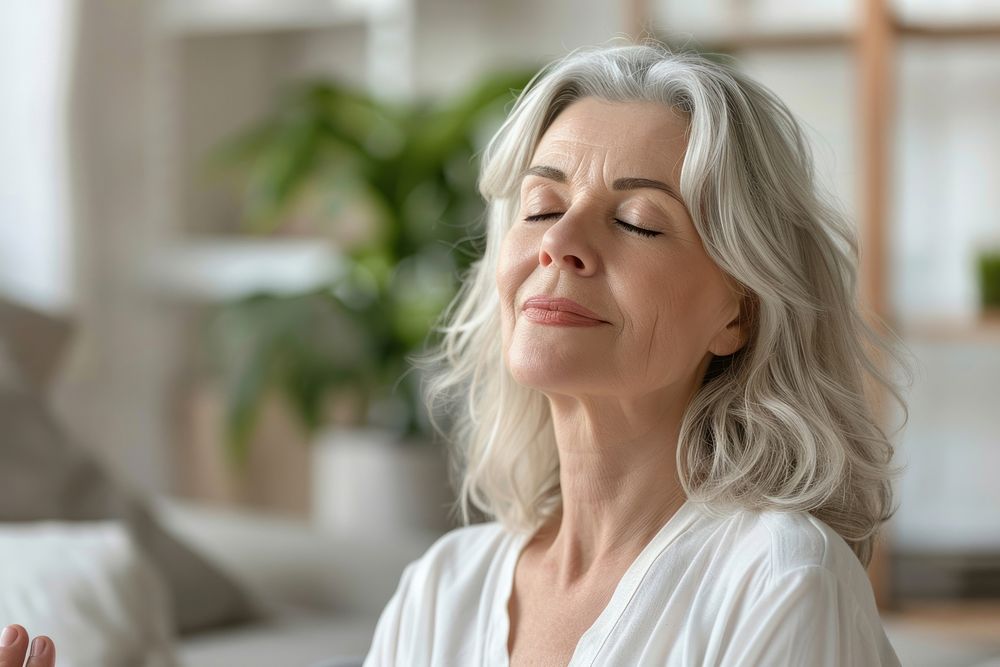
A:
(641, 231)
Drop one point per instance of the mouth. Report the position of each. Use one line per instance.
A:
(558, 310)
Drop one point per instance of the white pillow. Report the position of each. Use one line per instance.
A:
(87, 586)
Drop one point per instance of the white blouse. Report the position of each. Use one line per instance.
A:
(756, 588)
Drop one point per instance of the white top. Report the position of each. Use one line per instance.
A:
(756, 588)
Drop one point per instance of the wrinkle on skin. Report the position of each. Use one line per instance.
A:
(618, 391)
(652, 335)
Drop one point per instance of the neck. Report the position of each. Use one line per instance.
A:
(619, 485)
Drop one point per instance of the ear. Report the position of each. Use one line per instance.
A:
(737, 331)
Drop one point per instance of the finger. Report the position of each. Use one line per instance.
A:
(14, 640)
(43, 652)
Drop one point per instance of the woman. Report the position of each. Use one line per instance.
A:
(657, 374)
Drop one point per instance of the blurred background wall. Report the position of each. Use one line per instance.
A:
(110, 218)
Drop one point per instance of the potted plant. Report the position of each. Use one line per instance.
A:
(393, 188)
(988, 275)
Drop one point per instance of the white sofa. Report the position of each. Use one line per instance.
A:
(324, 592)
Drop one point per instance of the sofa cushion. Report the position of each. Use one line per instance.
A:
(45, 475)
(300, 639)
(32, 344)
(87, 586)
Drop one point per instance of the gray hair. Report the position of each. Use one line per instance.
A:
(785, 422)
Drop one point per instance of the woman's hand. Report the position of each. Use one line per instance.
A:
(14, 646)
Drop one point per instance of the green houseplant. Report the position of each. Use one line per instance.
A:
(988, 274)
(393, 186)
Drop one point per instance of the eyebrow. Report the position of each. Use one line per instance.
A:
(627, 183)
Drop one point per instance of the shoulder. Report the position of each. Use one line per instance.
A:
(800, 540)
(785, 540)
(777, 548)
(467, 541)
(462, 549)
(802, 597)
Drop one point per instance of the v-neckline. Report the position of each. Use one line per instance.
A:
(623, 593)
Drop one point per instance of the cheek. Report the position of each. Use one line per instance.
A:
(517, 261)
(512, 271)
(666, 314)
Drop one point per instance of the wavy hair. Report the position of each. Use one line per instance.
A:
(785, 423)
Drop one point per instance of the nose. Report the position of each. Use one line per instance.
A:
(565, 245)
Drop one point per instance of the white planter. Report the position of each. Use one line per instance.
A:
(366, 482)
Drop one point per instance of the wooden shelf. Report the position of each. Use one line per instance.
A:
(219, 269)
(949, 32)
(199, 17)
(817, 39)
(966, 620)
(986, 330)
(837, 38)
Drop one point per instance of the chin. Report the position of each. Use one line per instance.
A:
(549, 378)
(544, 364)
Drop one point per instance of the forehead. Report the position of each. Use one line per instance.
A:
(644, 139)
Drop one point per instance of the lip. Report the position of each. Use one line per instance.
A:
(570, 310)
